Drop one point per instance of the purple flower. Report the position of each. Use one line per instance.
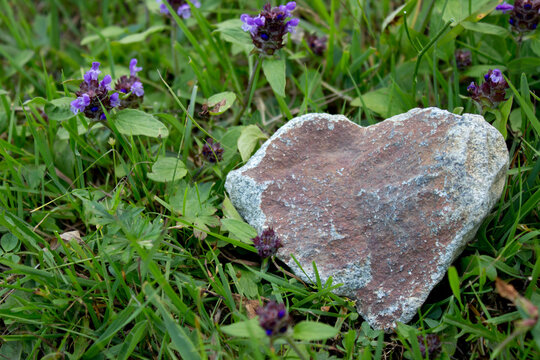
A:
(181, 7)
(93, 73)
(133, 69)
(251, 24)
(430, 344)
(496, 76)
(491, 92)
(80, 103)
(93, 95)
(463, 58)
(106, 82)
(267, 243)
(184, 11)
(524, 14)
(317, 44)
(212, 151)
(115, 100)
(137, 88)
(268, 29)
(286, 9)
(504, 7)
(292, 24)
(130, 84)
(273, 318)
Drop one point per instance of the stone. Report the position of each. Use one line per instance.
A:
(383, 209)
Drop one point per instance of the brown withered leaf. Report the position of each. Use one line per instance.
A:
(506, 290)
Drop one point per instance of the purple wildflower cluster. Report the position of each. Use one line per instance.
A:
(273, 318)
(524, 14)
(268, 29)
(181, 7)
(463, 58)
(491, 92)
(267, 243)
(430, 345)
(93, 95)
(212, 151)
(317, 44)
(131, 85)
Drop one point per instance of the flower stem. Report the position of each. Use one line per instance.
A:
(250, 88)
(294, 347)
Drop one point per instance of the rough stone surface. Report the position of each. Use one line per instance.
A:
(383, 209)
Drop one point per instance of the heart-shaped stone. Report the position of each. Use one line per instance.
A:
(383, 209)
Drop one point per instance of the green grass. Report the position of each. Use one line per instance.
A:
(106, 255)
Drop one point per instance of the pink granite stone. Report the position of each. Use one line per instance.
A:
(383, 209)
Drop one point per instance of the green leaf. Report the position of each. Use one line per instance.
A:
(502, 117)
(132, 122)
(108, 32)
(382, 101)
(453, 278)
(229, 211)
(248, 140)
(59, 109)
(485, 28)
(221, 102)
(167, 169)
(9, 242)
(239, 230)
(247, 329)
(477, 71)
(274, 70)
(135, 38)
(231, 31)
(38, 101)
(525, 102)
(313, 331)
(179, 336)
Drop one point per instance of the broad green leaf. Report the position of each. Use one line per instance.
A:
(485, 28)
(453, 278)
(108, 33)
(231, 31)
(458, 10)
(9, 242)
(313, 331)
(132, 122)
(38, 101)
(382, 101)
(135, 38)
(221, 102)
(59, 109)
(502, 117)
(239, 230)
(230, 143)
(167, 169)
(229, 211)
(248, 140)
(248, 329)
(274, 70)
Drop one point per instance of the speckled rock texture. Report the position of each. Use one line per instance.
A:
(383, 209)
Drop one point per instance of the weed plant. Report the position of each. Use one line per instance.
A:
(117, 238)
